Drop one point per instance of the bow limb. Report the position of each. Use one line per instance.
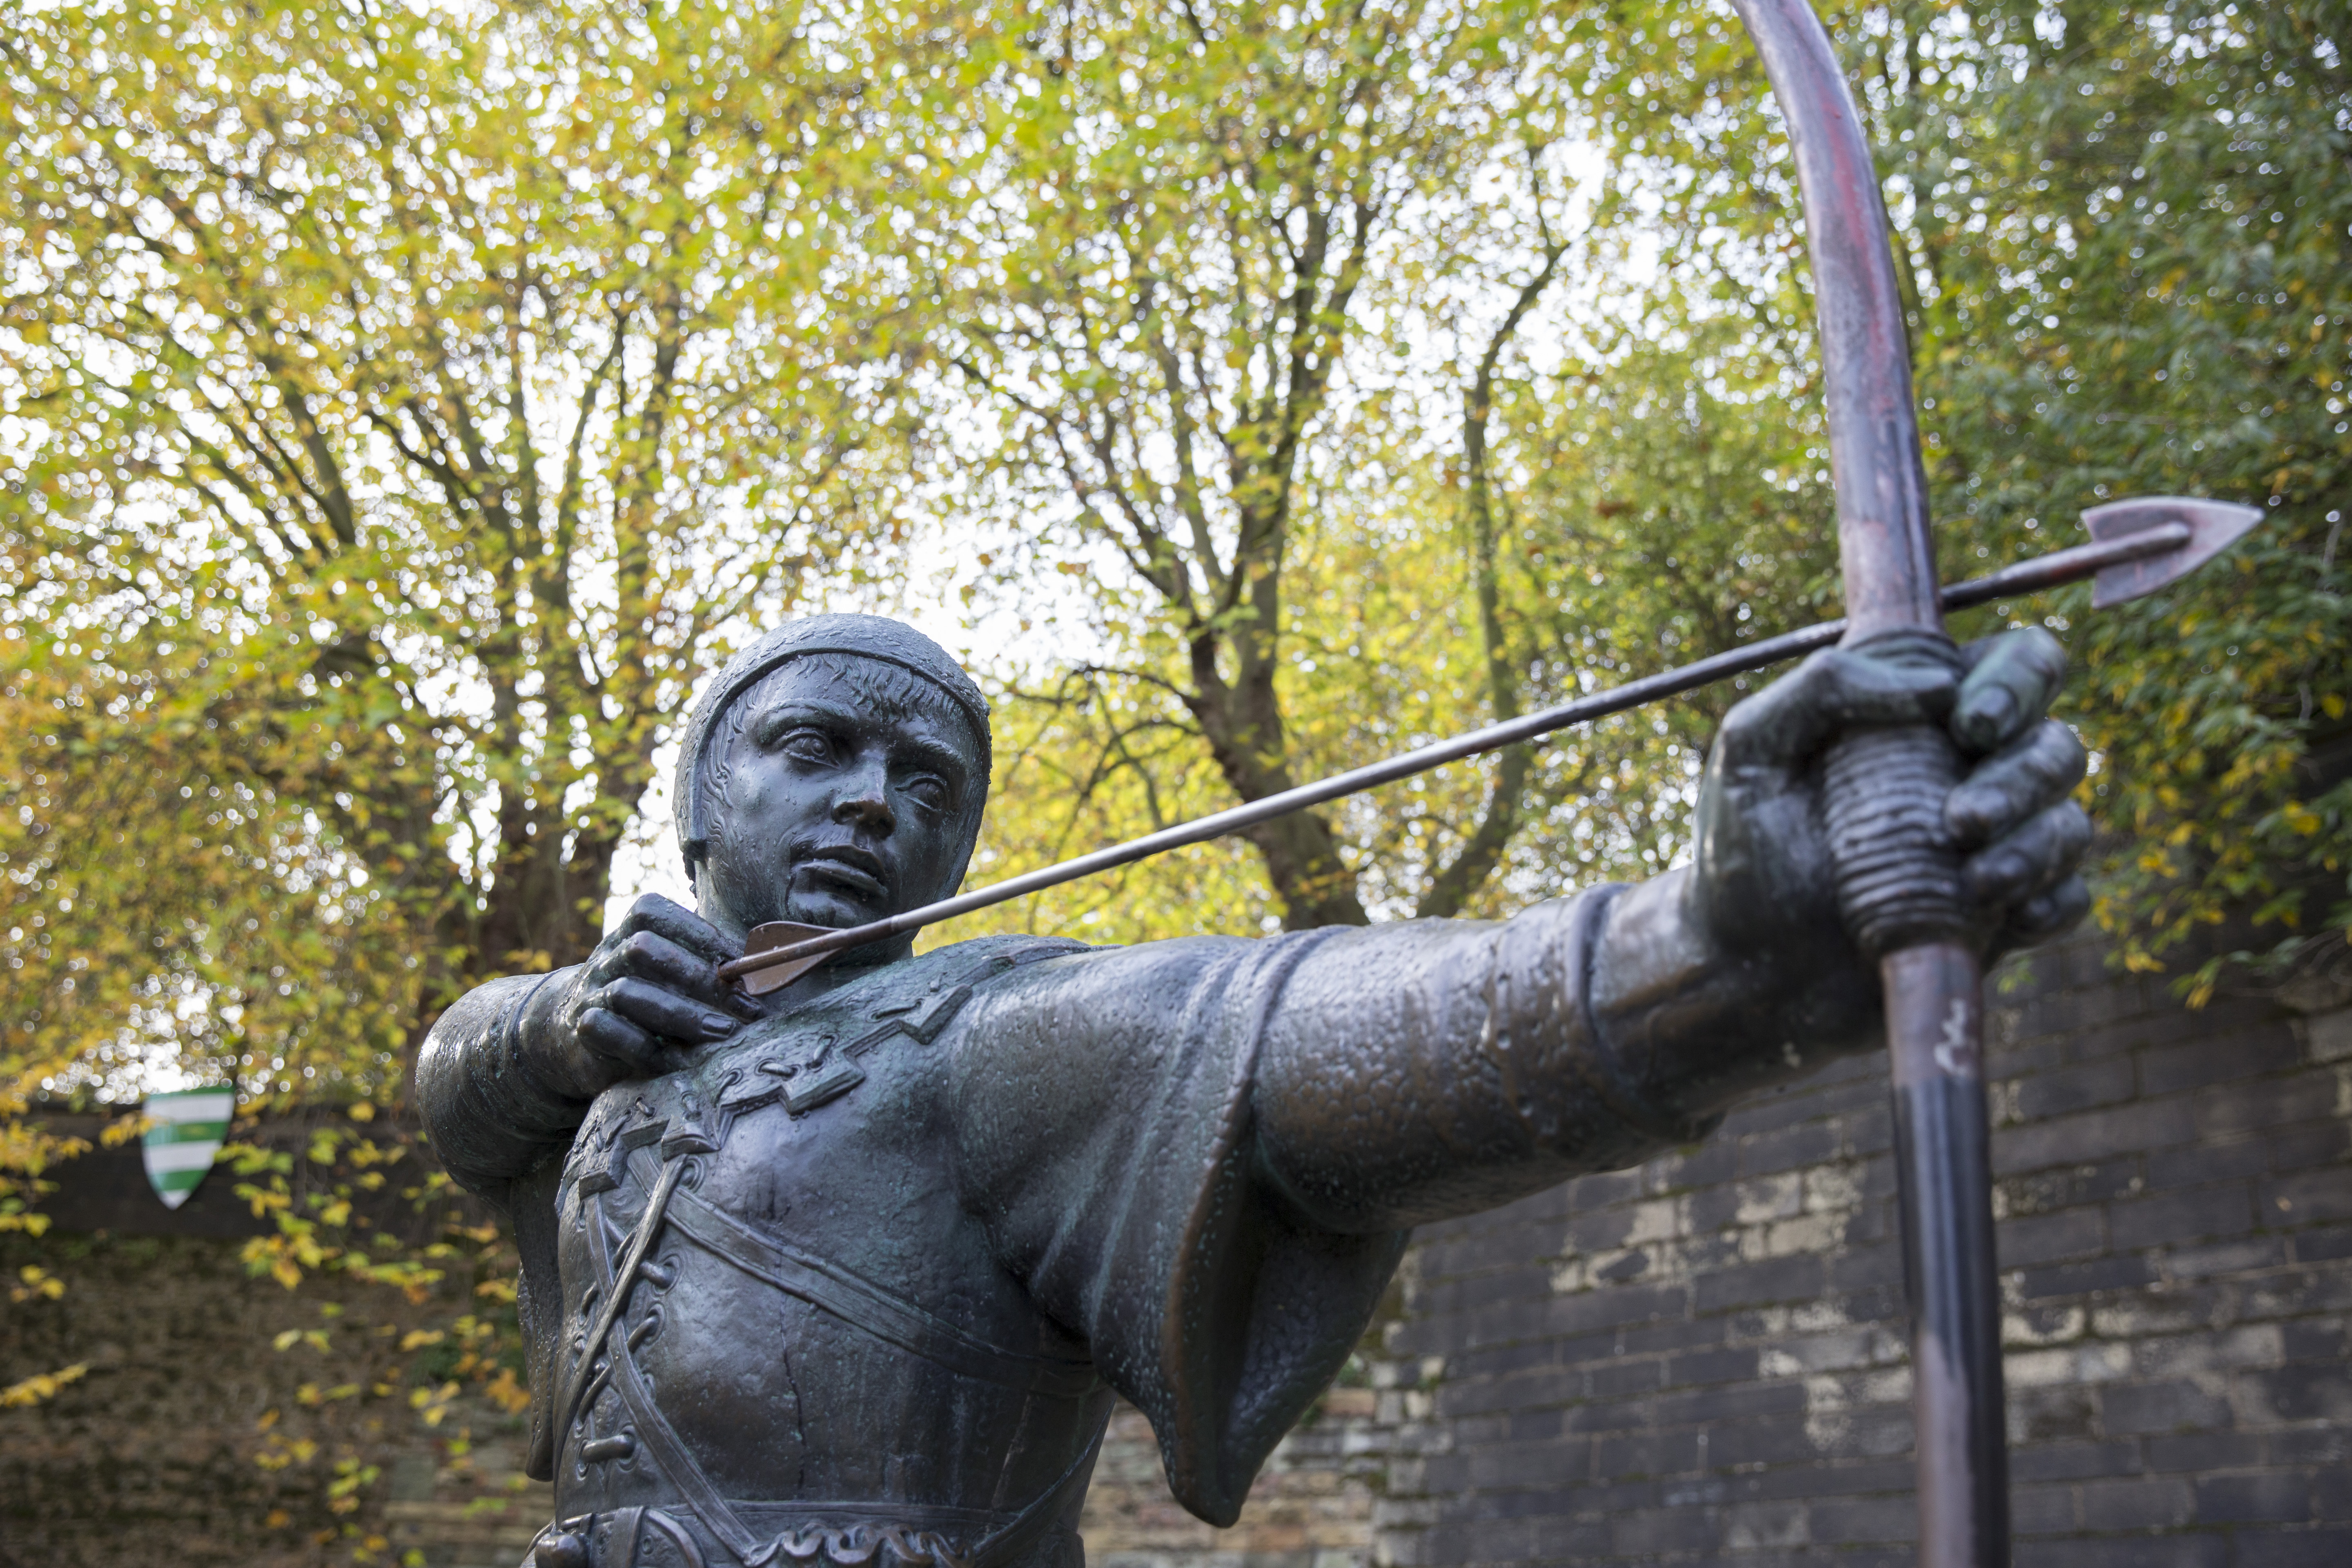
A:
(1898, 877)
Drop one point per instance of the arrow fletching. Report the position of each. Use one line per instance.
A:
(2213, 526)
(767, 939)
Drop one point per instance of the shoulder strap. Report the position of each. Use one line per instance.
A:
(610, 1336)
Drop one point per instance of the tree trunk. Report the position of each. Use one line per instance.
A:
(1242, 720)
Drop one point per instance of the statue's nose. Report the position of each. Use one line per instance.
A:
(864, 801)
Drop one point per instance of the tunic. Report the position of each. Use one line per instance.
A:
(859, 1285)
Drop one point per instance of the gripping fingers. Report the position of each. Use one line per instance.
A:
(2031, 858)
(2049, 912)
(655, 915)
(2011, 680)
(1794, 717)
(2032, 773)
(629, 1049)
(666, 1014)
(649, 955)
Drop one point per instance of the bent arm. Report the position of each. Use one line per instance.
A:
(493, 1115)
(1434, 1068)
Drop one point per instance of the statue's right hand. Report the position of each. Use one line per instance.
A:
(647, 999)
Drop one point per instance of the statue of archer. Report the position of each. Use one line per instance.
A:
(851, 1272)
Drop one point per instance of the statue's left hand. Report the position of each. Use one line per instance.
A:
(1763, 883)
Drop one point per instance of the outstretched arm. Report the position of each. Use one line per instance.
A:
(1434, 1068)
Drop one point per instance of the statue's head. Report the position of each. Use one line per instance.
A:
(833, 774)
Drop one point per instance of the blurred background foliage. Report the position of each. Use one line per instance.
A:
(400, 409)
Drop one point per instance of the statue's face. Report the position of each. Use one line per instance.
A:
(848, 796)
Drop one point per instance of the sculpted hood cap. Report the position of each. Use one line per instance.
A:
(863, 637)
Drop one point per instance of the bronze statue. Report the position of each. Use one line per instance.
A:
(851, 1271)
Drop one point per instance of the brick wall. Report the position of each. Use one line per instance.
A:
(1703, 1359)
(191, 1443)
(1311, 1508)
(195, 1440)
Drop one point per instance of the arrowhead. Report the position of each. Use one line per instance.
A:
(767, 939)
(2214, 527)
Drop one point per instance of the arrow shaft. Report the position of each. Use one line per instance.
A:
(2026, 576)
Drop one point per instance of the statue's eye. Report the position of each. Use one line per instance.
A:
(806, 745)
(782, 729)
(927, 792)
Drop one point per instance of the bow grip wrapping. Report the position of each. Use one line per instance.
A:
(1898, 872)
(1898, 879)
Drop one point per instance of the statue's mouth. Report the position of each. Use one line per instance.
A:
(847, 868)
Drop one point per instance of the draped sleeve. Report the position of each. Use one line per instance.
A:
(1203, 1155)
(1105, 1137)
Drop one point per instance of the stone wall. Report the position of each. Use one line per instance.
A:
(1703, 1359)
(196, 1438)
(192, 1442)
(1311, 1508)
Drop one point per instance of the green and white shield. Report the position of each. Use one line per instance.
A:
(185, 1130)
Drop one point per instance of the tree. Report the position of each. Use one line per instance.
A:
(1191, 217)
(1662, 508)
(406, 407)
(1244, 295)
(2123, 231)
(400, 410)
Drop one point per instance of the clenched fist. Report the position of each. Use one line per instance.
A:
(646, 1000)
(1765, 886)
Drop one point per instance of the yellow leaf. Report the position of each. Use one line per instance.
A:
(40, 1387)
